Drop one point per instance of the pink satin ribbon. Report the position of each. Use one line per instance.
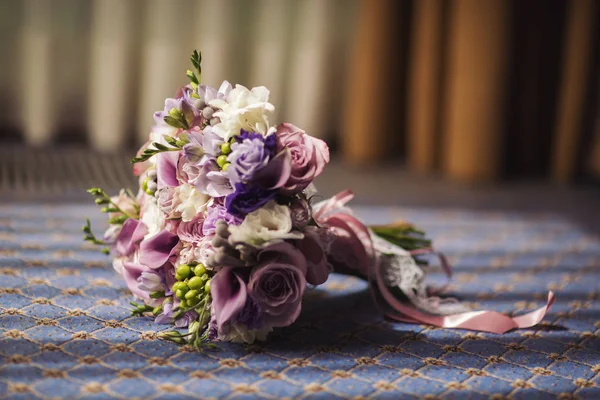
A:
(329, 213)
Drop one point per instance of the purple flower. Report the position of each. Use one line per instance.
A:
(229, 294)
(216, 212)
(194, 149)
(156, 251)
(132, 273)
(277, 283)
(316, 258)
(212, 181)
(251, 315)
(250, 153)
(309, 156)
(247, 198)
(159, 116)
(211, 142)
(166, 317)
(131, 235)
(300, 212)
(166, 169)
(150, 281)
(191, 231)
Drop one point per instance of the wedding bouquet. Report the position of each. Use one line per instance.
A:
(224, 234)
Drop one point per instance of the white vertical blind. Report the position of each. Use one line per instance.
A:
(38, 113)
(102, 67)
(111, 59)
(307, 92)
(270, 53)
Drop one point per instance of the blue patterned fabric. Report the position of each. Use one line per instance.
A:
(66, 329)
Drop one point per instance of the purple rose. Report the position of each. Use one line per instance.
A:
(309, 156)
(217, 212)
(277, 283)
(247, 198)
(191, 231)
(250, 153)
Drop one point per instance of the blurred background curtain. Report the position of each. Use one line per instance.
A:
(474, 90)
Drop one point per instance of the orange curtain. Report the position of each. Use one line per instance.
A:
(491, 89)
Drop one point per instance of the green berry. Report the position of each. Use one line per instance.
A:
(180, 285)
(200, 270)
(180, 294)
(195, 283)
(226, 166)
(145, 185)
(221, 160)
(226, 148)
(207, 287)
(191, 294)
(192, 302)
(183, 271)
(157, 310)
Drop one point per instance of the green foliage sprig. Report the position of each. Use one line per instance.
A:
(403, 235)
(102, 198)
(89, 237)
(154, 148)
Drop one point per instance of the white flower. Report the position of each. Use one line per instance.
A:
(190, 201)
(238, 333)
(271, 223)
(244, 109)
(152, 217)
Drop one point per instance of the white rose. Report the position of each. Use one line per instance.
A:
(190, 201)
(244, 109)
(268, 224)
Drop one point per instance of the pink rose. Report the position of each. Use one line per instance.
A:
(191, 231)
(309, 156)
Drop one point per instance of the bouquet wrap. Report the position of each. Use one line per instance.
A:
(224, 234)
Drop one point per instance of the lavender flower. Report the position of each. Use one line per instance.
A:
(166, 317)
(250, 153)
(212, 181)
(216, 212)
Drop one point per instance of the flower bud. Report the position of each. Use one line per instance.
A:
(300, 213)
(207, 112)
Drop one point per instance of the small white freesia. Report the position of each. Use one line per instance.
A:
(268, 224)
(152, 217)
(244, 109)
(191, 201)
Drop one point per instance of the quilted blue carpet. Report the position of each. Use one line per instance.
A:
(66, 329)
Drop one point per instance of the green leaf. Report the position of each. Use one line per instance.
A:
(175, 123)
(171, 140)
